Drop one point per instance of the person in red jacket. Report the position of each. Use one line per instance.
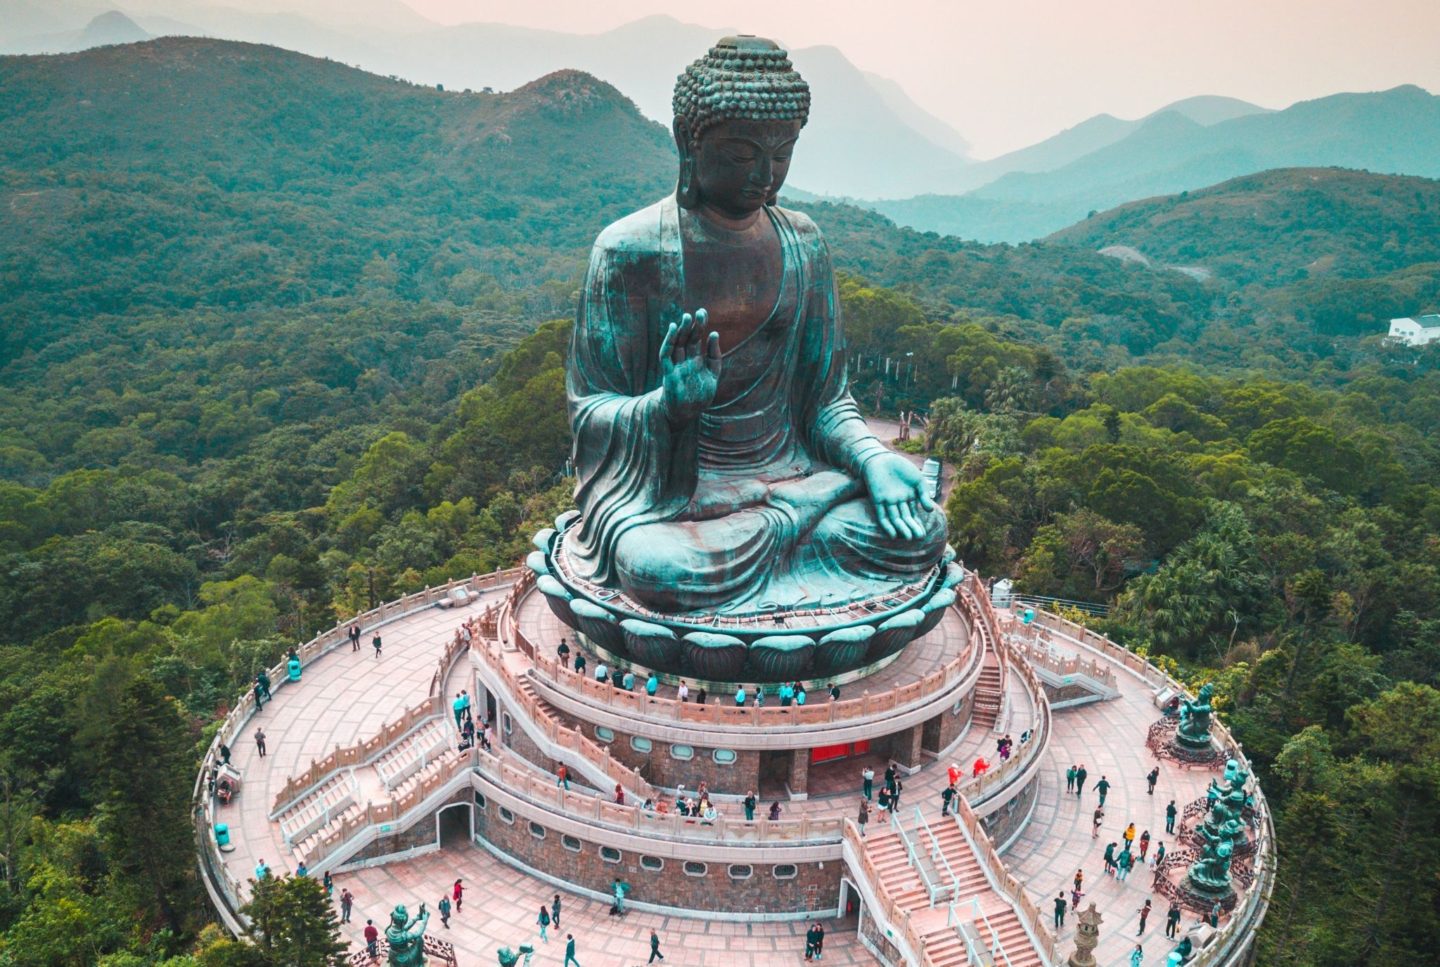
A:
(458, 893)
(372, 939)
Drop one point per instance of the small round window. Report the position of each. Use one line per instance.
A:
(682, 752)
(537, 830)
(785, 871)
(652, 862)
(604, 734)
(693, 868)
(640, 744)
(723, 757)
(741, 871)
(571, 843)
(480, 800)
(506, 816)
(609, 854)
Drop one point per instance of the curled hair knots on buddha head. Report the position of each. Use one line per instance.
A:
(741, 78)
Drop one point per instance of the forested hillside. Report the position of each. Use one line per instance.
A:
(282, 339)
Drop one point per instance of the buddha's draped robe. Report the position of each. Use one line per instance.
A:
(756, 504)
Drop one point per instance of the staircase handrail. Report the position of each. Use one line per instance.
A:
(938, 854)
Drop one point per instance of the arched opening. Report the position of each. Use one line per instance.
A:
(850, 902)
(455, 823)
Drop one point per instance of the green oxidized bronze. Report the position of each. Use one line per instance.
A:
(406, 937)
(724, 473)
(1194, 729)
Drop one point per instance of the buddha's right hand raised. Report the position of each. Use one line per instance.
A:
(690, 374)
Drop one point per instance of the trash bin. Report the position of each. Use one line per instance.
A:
(222, 834)
(293, 669)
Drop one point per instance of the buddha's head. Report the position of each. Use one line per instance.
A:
(738, 112)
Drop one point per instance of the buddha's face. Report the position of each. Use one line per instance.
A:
(740, 165)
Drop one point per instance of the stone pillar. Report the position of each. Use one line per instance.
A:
(1087, 936)
(907, 746)
(799, 781)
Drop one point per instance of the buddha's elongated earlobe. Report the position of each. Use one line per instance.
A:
(687, 186)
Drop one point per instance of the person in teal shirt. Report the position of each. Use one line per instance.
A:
(570, 951)
(628, 682)
(787, 694)
(740, 696)
(652, 685)
(293, 667)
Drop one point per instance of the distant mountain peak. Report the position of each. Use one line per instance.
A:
(572, 91)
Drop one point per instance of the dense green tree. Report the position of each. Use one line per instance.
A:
(293, 923)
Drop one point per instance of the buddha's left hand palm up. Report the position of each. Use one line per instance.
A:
(897, 491)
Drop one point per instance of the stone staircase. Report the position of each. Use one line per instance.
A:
(318, 808)
(989, 694)
(932, 875)
(582, 755)
(412, 753)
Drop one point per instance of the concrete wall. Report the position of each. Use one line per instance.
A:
(1009, 819)
(814, 887)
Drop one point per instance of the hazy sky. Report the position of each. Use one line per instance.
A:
(1006, 73)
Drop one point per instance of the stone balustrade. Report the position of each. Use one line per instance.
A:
(723, 713)
(1003, 881)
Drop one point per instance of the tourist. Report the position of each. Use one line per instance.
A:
(1095, 823)
(787, 694)
(655, 953)
(458, 707)
(750, 803)
(1123, 862)
(867, 782)
(259, 695)
(570, 951)
(619, 795)
(1079, 879)
(555, 908)
(1129, 837)
(1075, 896)
(947, 796)
(328, 882)
(652, 685)
(372, 938)
(1214, 918)
(819, 941)
(740, 697)
(225, 753)
(1137, 956)
(1159, 855)
(580, 663)
(1170, 817)
(467, 734)
(1059, 909)
(1103, 788)
(890, 777)
(1080, 780)
(883, 801)
(444, 907)
(952, 774)
(810, 941)
(834, 692)
(355, 637)
(1144, 915)
(628, 682)
(774, 811)
(562, 777)
(897, 788)
(759, 696)
(602, 674)
(978, 768)
(458, 892)
(1110, 858)
(1070, 779)
(682, 694)
(1144, 844)
(708, 812)
(261, 870)
(701, 696)
(1172, 920)
(263, 680)
(619, 889)
(376, 643)
(800, 694)
(544, 922)
(864, 816)
(1152, 778)
(347, 903)
(259, 743)
(562, 653)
